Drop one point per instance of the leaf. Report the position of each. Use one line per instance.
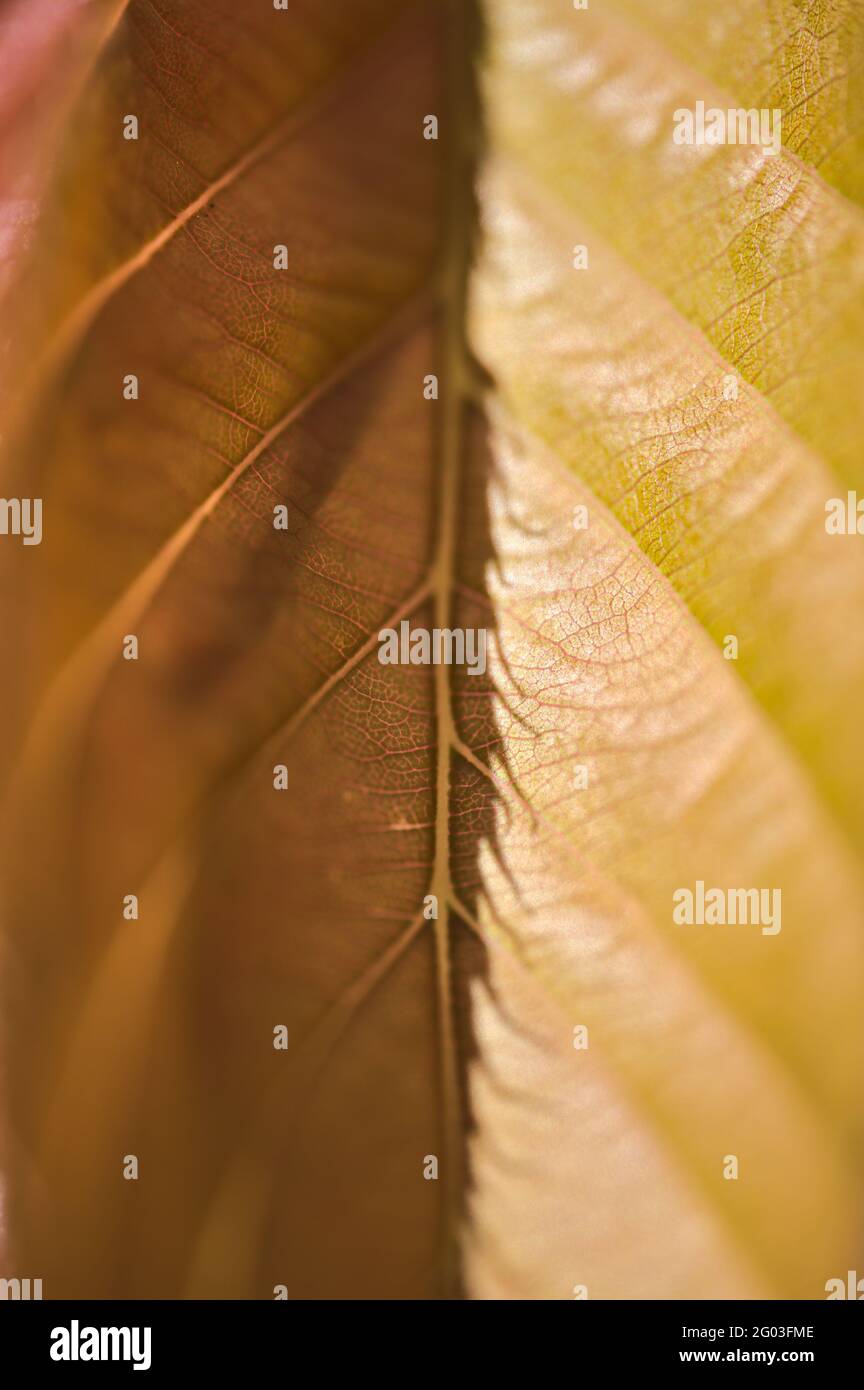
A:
(44, 44)
(702, 1042)
(413, 1037)
(705, 518)
(772, 255)
(259, 388)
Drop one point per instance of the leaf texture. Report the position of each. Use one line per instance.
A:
(706, 519)
(258, 648)
(416, 1035)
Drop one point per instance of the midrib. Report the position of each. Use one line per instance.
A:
(456, 374)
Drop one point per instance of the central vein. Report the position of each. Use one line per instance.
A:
(456, 252)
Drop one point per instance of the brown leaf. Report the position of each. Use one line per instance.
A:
(259, 388)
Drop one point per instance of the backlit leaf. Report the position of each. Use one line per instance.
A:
(438, 883)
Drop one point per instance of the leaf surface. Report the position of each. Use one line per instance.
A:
(704, 516)
(259, 389)
(414, 1037)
